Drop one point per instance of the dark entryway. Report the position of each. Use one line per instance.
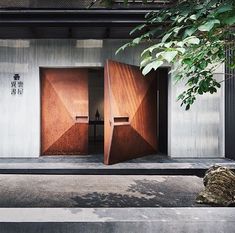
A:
(162, 105)
(96, 110)
(229, 105)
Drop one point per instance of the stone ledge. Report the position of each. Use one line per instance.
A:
(88, 165)
(117, 220)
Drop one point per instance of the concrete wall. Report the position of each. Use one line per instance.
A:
(198, 133)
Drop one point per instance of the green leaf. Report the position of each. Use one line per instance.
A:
(180, 43)
(224, 8)
(212, 90)
(177, 29)
(218, 85)
(192, 40)
(164, 39)
(123, 48)
(137, 40)
(182, 50)
(229, 21)
(169, 44)
(206, 27)
(232, 66)
(188, 61)
(169, 55)
(148, 14)
(199, 7)
(200, 92)
(189, 31)
(193, 17)
(203, 64)
(139, 28)
(151, 49)
(144, 62)
(153, 65)
(180, 19)
(154, 31)
(187, 107)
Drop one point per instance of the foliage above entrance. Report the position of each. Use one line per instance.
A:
(192, 37)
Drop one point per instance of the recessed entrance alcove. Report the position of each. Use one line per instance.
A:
(113, 111)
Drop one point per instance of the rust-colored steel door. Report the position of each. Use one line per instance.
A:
(64, 111)
(130, 113)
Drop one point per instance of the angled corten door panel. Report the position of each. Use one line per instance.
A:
(130, 113)
(64, 111)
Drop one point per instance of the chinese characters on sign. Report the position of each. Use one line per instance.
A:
(17, 85)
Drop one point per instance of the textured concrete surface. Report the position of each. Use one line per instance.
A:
(200, 129)
(117, 220)
(93, 164)
(98, 191)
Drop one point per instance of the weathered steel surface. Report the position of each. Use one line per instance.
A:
(64, 116)
(130, 113)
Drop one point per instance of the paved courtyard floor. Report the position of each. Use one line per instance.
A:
(99, 191)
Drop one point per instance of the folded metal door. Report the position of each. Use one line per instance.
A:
(130, 113)
(64, 111)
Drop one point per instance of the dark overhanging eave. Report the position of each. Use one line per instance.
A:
(74, 24)
(72, 17)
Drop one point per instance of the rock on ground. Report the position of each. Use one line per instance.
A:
(219, 185)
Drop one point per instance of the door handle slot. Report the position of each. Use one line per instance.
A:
(121, 120)
(82, 119)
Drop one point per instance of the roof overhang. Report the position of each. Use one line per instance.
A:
(80, 24)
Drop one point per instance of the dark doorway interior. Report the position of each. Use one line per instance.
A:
(96, 102)
(162, 102)
(96, 110)
(229, 106)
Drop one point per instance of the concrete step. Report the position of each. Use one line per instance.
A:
(93, 165)
(117, 220)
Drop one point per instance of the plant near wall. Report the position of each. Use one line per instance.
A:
(192, 37)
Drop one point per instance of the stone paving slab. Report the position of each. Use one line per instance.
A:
(117, 220)
(99, 191)
(118, 214)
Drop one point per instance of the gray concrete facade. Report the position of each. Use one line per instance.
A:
(197, 133)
